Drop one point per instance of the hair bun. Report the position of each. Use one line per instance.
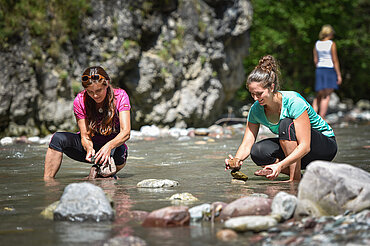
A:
(267, 64)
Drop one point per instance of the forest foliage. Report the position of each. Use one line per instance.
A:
(289, 29)
(286, 29)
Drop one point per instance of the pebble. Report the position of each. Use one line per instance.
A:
(183, 197)
(226, 235)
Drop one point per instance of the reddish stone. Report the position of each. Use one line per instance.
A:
(263, 172)
(244, 206)
(138, 215)
(226, 235)
(168, 217)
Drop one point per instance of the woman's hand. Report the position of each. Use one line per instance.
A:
(90, 154)
(103, 155)
(276, 169)
(233, 163)
(339, 79)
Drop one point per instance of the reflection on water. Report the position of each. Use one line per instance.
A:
(199, 168)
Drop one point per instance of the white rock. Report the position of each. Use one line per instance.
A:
(197, 212)
(251, 223)
(151, 131)
(7, 141)
(35, 139)
(183, 197)
(157, 183)
(284, 204)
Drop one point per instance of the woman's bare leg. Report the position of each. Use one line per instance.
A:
(53, 160)
(293, 170)
(315, 104)
(324, 102)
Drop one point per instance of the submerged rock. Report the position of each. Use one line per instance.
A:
(48, 212)
(82, 202)
(329, 188)
(127, 241)
(168, 217)
(183, 197)
(226, 235)
(238, 181)
(157, 183)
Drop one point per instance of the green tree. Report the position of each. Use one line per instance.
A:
(289, 29)
(54, 20)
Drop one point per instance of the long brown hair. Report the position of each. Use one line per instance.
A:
(97, 123)
(266, 72)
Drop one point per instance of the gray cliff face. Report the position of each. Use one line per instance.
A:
(180, 62)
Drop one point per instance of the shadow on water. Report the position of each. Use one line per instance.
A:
(199, 168)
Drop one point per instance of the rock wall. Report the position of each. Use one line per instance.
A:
(179, 60)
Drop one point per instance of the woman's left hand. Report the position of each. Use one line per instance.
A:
(276, 169)
(103, 155)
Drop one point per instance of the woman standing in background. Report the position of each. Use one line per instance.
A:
(328, 75)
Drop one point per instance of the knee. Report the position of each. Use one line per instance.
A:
(120, 157)
(58, 141)
(287, 130)
(258, 154)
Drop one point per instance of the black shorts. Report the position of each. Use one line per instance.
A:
(266, 151)
(70, 144)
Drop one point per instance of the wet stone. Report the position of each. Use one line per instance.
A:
(183, 197)
(238, 181)
(157, 183)
(83, 202)
(199, 212)
(239, 175)
(247, 206)
(168, 217)
(251, 223)
(127, 241)
(226, 235)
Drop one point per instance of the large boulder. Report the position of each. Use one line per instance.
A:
(83, 202)
(179, 61)
(329, 188)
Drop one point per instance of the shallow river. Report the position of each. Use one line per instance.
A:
(199, 168)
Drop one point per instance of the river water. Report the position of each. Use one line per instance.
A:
(197, 164)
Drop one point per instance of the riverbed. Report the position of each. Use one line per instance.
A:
(196, 163)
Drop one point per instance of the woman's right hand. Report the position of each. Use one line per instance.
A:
(233, 163)
(90, 154)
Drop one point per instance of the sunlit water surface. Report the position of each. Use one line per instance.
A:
(199, 168)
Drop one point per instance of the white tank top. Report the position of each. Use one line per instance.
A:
(323, 49)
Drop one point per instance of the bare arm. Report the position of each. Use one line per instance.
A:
(302, 127)
(124, 134)
(86, 141)
(334, 56)
(250, 134)
(315, 56)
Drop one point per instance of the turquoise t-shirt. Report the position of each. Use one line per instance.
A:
(293, 105)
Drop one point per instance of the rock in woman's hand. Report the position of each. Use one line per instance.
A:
(233, 163)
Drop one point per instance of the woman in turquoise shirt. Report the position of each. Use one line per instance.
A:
(303, 136)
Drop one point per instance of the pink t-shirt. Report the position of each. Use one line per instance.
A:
(121, 100)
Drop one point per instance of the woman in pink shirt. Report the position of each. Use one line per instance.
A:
(103, 117)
